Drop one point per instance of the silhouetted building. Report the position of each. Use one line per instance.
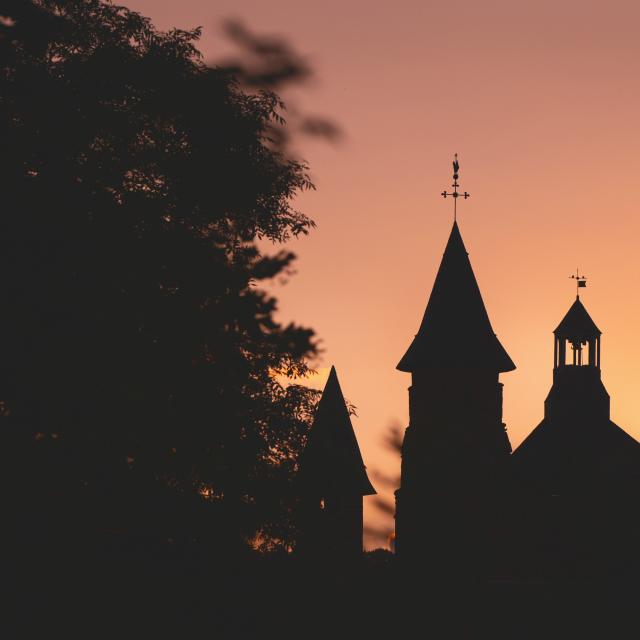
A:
(580, 472)
(456, 452)
(333, 480)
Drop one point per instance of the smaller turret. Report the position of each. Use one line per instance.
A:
(332, 480)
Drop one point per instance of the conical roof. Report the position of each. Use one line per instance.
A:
(456, 330)
(577, 324)
(331, 462)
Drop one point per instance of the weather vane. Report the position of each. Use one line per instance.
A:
(581, 281)
(455, 195)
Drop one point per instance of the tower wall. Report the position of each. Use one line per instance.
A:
(577, 394)
(455, 458)
(331, 526)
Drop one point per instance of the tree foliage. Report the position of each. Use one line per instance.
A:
(138, 351)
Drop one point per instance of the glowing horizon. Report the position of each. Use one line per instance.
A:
(540, 102)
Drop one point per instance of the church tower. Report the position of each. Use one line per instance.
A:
(456, 452)
(332, 480)
(579, 470)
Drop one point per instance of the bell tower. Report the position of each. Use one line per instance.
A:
(577, 389)
(579, 472)
(577, 436)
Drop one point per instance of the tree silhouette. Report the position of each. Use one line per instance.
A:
(138, 352)
(269, 63)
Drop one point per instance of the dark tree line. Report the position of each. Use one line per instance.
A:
(137, 350)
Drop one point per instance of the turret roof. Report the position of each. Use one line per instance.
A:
(577, 324)
(331, 462)
(456, 330)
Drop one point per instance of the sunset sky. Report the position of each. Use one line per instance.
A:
(541, 102)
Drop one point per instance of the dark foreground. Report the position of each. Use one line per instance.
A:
(190, 593)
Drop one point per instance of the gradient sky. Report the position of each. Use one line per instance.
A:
(541, 101)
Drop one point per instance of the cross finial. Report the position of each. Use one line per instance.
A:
(581, 282)
(454, 194)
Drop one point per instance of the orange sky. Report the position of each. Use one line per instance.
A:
(541, 101)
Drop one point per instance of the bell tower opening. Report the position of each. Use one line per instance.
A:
(576, 352)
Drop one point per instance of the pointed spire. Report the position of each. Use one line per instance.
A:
(331, 462)
(577, 325)
(456, 330)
